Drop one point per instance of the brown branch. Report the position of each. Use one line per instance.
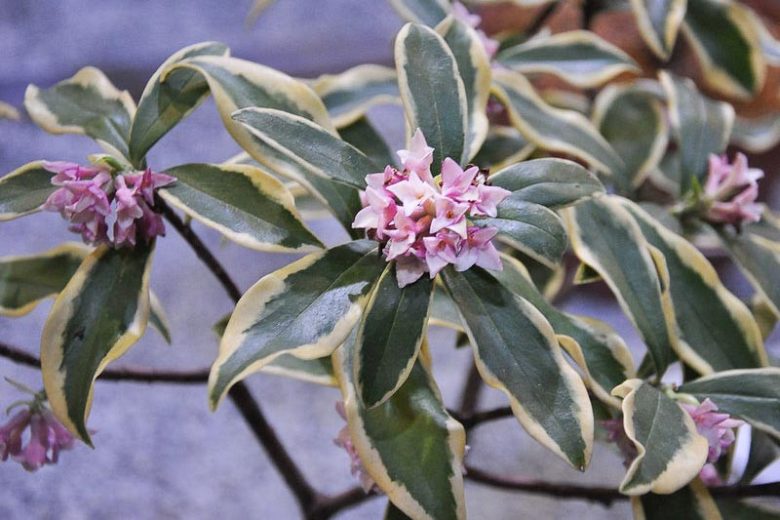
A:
(118, 374)
(603, 495)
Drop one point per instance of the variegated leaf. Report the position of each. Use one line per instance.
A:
(580, 58)
(318, 371)
(670, 450)
(597, 349)
(702, 126)
(237, 84)
(474, 68)
(717, 331)
(443, 312)
(349, 95)
(97, 317)
(24, 190)
(26, 280)
(606, 238)
(757, 135)
(758, 257)
(88, 104)
(164, 104)
(731, 59)
(390, 336)
(753, 395)
(362, 135)
(516, 351)
(307, 308)
(432, 92)
(693, 502)
(503, 146)
(309, 145)
(411, 430)
(553, 183)
(9, 112)
(244, 203)
(428, 12)
(634, 124)
(551, 128)
(530, 228)
(736, 509)
(659, 23)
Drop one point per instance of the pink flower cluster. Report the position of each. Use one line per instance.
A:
(343, 440)
(717, 428)
(473, 21)
(732, 190)
(105, 209)
(425, 224)
(47, 438)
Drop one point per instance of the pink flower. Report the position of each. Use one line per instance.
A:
(717, 428)
(732, 190)
(103, 209)
(440, 251)
(478, 249)
(473, 20)
(432, 230)
(419, 157)
(450, 215)
(343, 440)
(709, 475)
(47, 438)
(413, 192)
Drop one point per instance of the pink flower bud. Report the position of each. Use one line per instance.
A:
(732, 190)
(717, 428)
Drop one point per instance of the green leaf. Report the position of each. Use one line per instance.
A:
(307, 308)
(702, 126)
(87, 104)
(692, 502)
(432, 92)
(659, 22)
(349, 95)
(158, 318)
(26, 280)
(410, 431)
(554, 183)
(717, 331)
(474, 68)
(393, 513)
(752, 394)
(24, 190)
(443, 312)
(318, 371)
(362, 135)
(516, 351)
(237, 84)
(735, 509)
(580, 58)
(758, 257)
(428, 12)
(164, 104)
(598, 350)
(634, 124)
(97, 317)
(552, 128)
(307, 144)
(764, 451)
(757, 135)
(244, 203)
(606, 238)
(731, 59)
(503, 146)
(533, 229)
(390, 336)
(670, 451)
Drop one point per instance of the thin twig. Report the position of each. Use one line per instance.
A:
(542, 19)
(602, 495)
(304, 492)
(469, 397)
(118, 374)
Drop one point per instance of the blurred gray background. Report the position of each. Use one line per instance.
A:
(159, 452)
